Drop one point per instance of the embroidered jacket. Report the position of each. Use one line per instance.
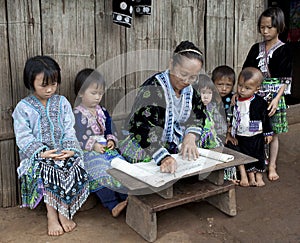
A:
(152, 121)
(256, 116)
(90, 129)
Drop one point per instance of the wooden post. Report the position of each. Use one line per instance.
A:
(140, 217)
(226, 202)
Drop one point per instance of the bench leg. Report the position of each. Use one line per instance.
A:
(140, 218)
(226, 202)
(215, 177)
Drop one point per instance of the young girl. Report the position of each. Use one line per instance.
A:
(251, 126)
(51, 167)
(94, 131)
(215, 125)
(273, 58)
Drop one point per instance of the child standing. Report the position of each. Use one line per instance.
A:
(94, 132)
(51, 167)
(274, 60)
(215, 126)
(223, 78)
(251, 126)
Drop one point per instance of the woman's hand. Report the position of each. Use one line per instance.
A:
(168, 165)
(189, 147)
(110, 144)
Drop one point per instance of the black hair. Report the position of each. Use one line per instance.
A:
(204, 81)
(41, 64)
(251, 72)
(85, 78)
(186, 49)
(277, 18)
(223, 71)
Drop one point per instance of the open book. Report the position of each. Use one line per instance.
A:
(150, 173)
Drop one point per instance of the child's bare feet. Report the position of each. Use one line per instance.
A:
(244, 177)
(244, 182)
(252, 181)
(272, 175)
(259, 179)
(119, 208)
(67, 224)
(54, 227)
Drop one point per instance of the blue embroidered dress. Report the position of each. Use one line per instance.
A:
(62, 184)
(89, 130)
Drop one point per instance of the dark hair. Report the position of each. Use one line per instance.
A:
(41, 64)
(85, 78)
(204, 81)
(223, 71)
(186, 49)
(251, 72)
(277, 17)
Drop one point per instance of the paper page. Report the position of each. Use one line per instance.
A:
(150, 172)
(215, 155)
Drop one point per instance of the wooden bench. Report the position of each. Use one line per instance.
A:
(145, 201)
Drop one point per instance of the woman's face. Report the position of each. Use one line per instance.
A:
(185, 73)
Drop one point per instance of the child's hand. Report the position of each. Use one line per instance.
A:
(64, 154)
(110, 144)
(268, 139)
(233, 99)
(52, 153)
(231, 139)
(99, 148)
(273, 107)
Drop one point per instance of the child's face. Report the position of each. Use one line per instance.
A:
(268, 32)
(41, 90)
(247, 89)
(224, 85)
(206, 95)
(92, 96)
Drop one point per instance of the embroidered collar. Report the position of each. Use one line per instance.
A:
(264, 56)
(187, 94)
(96, 123)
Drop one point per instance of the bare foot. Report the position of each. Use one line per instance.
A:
(244, 182)
(273, 176)
(118, 208)
(244, 177)
(54, 227)
(259, 179)
(252, 181)
(67, 224)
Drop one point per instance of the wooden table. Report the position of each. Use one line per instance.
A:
(144, 201)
